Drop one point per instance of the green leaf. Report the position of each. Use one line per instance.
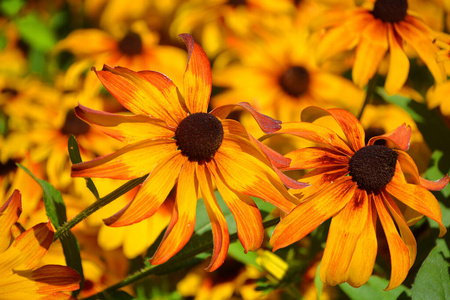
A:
(56, 211)
(433, 278)
(318, 283)
(35, 33)
(75, 158)
(373, 290)
(237, 252)
(11, 7)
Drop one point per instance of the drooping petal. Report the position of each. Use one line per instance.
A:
(398, 63)
(352, 128)
(182, 223)
(408, 166)
(363, 259)
(132, 161)
(245, 212)
(370, 52)
(197, 77)
(28, 248)
(405, 233)
(144, 93)
(400, 136)
(218, 223)
(128, 129)
(345, 229)
(266, 123)
(422, 44)
(315, 157)
(416, 197)
(316, 133)
(9, 214)
(250, 176)
(152, 193)
(400, 258)
(313, 212)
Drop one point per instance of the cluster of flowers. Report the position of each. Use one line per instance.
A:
(294, 115)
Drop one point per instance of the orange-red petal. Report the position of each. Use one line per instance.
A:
(151, 194)
(315, 157)
(182, 223)
(9, 214)
(219, 225)
(197, 77)
(400, 136)
(313, 212)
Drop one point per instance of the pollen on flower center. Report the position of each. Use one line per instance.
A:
(131, 44)
(390, 11)
(199, 136)
(372, 167)
(295, 81)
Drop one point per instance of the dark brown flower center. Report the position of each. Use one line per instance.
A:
(73, 125)
(8, 166)
(236, 2)
(199, 136)
(131, 44)
(390, 10)
(295, 81)
(372, 167)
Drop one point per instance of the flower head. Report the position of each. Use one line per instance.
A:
(173, 138)
(355, 184)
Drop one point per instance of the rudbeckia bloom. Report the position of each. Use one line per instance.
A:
(356, 184)
(172, 137)
(385, 25)
(20, 276)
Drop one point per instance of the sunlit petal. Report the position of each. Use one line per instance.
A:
(401, 137)
(398, 63)
(314, 157)
(9, 214)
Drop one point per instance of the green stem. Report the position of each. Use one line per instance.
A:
(179, 259)
(369, 94)
(97, 205)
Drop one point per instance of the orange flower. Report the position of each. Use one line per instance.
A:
(20, 277)
(353, 183)
(175, 140)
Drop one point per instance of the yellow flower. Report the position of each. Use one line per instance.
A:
(374, 31)
(20, 276)
(354, 184)
(172, 137)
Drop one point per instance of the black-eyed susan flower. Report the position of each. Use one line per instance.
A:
(384, 26)
(355, 185)
(172, 137)
(20, 276)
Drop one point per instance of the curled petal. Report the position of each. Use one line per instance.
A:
(401, 137)
(218, 223)
(197, 77)
(266, 123)
(152, 193)
(128, 129)
(9, 214)
(182, 223)
(345, 230)
(132, 161)
(400, 259)
(311, 213)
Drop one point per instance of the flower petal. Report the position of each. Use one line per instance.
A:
(245, 212)
(313, 212)
(363, 259)
(197, 77)
(144, 93)
(152, 193)
(398, 63)
(218, 223)
(400, 136)
(345, 229)
(315, 157)
(370, 52)
(400, 259)
(266, 123)
(408, 166)
(128, 129)
(130, 162)
(250, 176)
(352, 128)
(416, 197)
(182, 223)
(9, 214)
(53, 278)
